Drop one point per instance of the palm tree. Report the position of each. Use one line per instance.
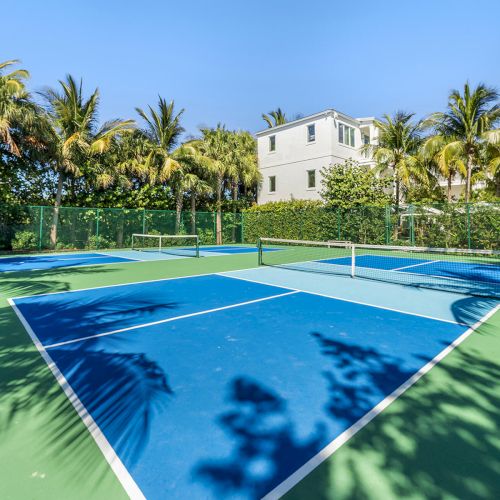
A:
(446, 164)
(463, 128)
(71, 135)
(164, 162)
(16, 108)
(243, 171)
(217, 149)
(274, 118)
(492, 154)
(398, 144)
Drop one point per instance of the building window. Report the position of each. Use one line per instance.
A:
(366, 139)
(346, 135)
(272, 143)
(272, 184)
(311, 133)
(311, 179)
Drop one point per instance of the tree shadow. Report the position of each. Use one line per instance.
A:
(123, 391)
(360, 377)
(438, 440)
(266, 446)
(17, 284)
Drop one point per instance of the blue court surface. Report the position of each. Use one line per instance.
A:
(51, 261)
(440, 268)
(224, 385)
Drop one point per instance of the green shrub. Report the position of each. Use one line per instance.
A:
(95, 242)
(24, 240)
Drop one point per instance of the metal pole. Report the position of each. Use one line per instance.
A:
(242, 223)
(40, 230)
(259, 246)
(143, 221)
(387, 224)
(412, 225)
(353, 261)
(97, 229)
(468, 226)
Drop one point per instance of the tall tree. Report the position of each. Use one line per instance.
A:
(71, 134)
(164, 162)
(16, 108)
(398, 144)
(274, 118)
(217, 147)
(447, 164)
(463, 127)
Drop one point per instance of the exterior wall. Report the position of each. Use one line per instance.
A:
(295, 156)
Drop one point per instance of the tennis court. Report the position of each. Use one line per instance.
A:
(244, 380)
(52, 261)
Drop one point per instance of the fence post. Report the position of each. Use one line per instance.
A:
(387, 224)
(215, 227)
(242, 225)
(143, 221)
(97, 212)
(412, 224)
(40, 230)
(467, 205)
(338, 224)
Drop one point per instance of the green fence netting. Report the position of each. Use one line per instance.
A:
(73, 228)
(457, 225)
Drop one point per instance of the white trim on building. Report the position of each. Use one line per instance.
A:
(289, 153)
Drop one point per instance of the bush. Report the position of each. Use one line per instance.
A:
(24, 240)
(95, 242)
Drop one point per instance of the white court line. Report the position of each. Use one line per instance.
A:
(121, 472)
(135, 283)
(333, 446)
(415, 265)
(345, 300)
(168, 320)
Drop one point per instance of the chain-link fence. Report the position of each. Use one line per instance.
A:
(73, 228)
(457, 225)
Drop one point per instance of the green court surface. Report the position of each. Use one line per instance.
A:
(440, 439)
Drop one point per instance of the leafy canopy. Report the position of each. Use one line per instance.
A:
(349, 185)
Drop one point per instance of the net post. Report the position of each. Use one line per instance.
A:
(159, 244)
(353, 260)
(197, 242)
(259, 246)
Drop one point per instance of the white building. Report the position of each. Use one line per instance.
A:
(291, 156)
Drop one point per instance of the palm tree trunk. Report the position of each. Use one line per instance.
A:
(178, 210)
(193, 213)
(55, 216)
(448, 189)
(398, 191)
(218, 223)
(469, 175)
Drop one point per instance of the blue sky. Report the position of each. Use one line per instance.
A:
(229, 61)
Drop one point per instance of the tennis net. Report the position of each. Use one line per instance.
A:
(183, 245)
(472, 272)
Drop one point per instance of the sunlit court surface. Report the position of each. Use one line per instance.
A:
(173, 376)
